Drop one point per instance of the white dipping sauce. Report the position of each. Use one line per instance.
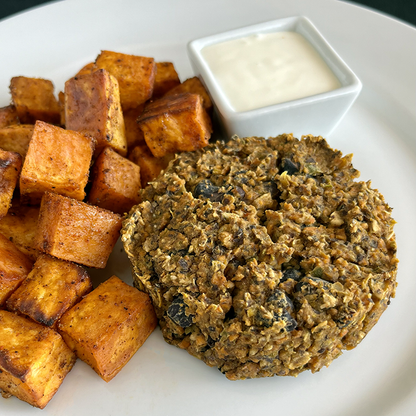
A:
(265, 69)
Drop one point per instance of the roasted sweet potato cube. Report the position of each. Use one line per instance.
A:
(20, 227)
(61, 102)
(134, 134)
(92, 106)
(14, 268)
(57, 160)
(176, 123)
(115, 182)
(166, 79)
(135, 76)
(34, 360)
(194, 86)
(16, 138)
(87, 69)
(10, 166)
(8, 116)
(75, 231)
(34, 100)
(108, 326)
(150, 166)
(50, 289)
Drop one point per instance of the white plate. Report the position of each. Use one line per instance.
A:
(378, 377)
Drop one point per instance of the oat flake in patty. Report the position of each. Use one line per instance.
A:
(263, 257)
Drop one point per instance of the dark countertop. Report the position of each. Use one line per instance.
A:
(402, 9)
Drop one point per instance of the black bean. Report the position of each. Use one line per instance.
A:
(206, 189)
(241, 177)
(307, 288)
(282, 307)
(289, 166)
(290, 303)
(345, 317)
(210, 342)
(271, 187)
(303, 287)
(360, 257)
(373, 243)
(238, 237)
(177, 312)
(219, 250)
(263, 320)
(291, 274)
(184, 265)
(240, 191)
(278, 299)
(267, 322)
(289, 320)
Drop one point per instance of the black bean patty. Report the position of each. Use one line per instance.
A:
(263, 257)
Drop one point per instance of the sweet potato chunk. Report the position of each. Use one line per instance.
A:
(8, 116)
(50, 289)
(34, 100)
(176, 123)
(150, 166)
(194, 86)
(61, 102)
(108, 326)
(92, 106)
(57, 160)
(166, 79)
(16, 138)
(134, 134)
(75, 231)
(20, 227)
(10, 166)
(135, 76)
(115, 182)
(87, 69)
(14, 267)
(34, 360)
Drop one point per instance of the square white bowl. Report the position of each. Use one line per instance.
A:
(317, 114)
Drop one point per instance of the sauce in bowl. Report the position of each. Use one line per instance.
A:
(265, 69)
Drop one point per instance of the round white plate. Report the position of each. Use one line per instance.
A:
(379, 376)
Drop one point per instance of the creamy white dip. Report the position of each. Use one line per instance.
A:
(265, 69)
